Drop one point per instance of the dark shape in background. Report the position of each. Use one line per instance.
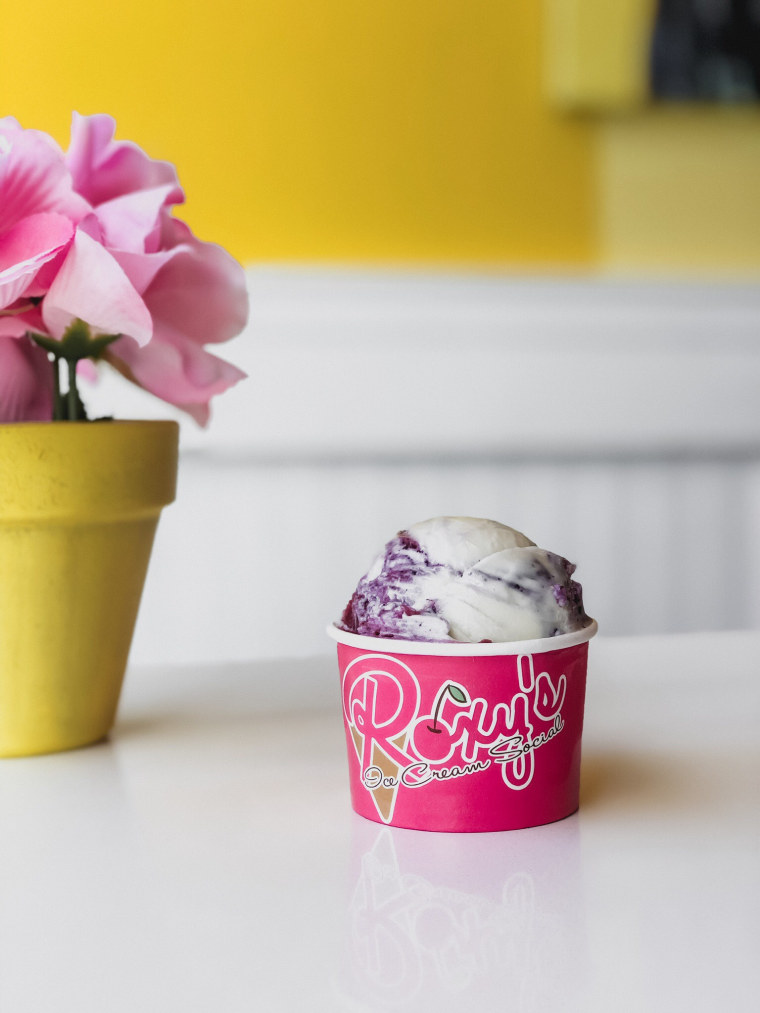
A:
(706, 50)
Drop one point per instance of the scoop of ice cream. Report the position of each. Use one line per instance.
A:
(465, 579)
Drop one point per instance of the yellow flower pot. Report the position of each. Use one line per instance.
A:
(79, 504)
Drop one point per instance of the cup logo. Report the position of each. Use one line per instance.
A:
(404, 738)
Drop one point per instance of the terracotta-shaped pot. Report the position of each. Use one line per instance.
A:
(79, 505)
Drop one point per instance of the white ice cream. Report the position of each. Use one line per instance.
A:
(465, 579)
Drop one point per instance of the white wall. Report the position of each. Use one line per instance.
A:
(617, 423)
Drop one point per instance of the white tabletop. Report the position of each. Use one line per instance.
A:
(206, 858)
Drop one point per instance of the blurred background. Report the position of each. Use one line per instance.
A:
(504, 260)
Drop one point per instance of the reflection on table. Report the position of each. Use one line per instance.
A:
(436, 919)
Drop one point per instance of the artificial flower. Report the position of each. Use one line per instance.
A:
(90, 237)
(26, 380)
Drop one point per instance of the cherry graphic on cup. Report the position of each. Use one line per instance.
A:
(434, 741)
(456, 693)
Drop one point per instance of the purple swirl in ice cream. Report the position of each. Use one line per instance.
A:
(465, 579)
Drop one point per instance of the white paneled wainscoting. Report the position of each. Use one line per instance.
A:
(617, 423)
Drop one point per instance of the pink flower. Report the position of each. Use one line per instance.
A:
(194, 297)
(38, 207)
(26, 381)
(38, 212)
(90, 285)
(194, 292)
(90, 235)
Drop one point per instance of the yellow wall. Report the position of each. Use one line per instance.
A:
(467, 132)
(378, 130)
(679, 192)
(677, 184)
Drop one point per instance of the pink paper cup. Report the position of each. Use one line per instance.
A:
(463, 738)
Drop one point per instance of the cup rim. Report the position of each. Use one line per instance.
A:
(448, 649)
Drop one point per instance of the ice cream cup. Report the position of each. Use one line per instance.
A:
(463, 738)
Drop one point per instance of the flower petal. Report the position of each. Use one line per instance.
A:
(92, 286)
(49, 270)
(142, 268)
(26, 381)
(177, 371)
(25, 247)
(201, 293)
(103, 168)
(18, 320)
(131, 222)
(34, 178)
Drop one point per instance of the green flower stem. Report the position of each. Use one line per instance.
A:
(76, 343)
(72, 399)
(58, 413)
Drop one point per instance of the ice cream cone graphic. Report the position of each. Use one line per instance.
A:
(384, 795)
(381, 699)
